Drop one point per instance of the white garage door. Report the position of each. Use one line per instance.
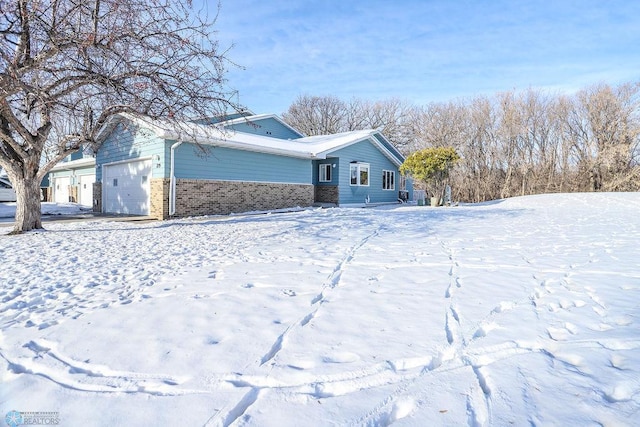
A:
(86, 189)
(126, 187)
(61, 189)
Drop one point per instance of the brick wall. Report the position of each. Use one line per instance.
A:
(202, 197)
(327, 194)
(73, 193)
(159, 198)
(97, 197)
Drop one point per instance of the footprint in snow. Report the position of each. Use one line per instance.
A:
(341, 357)
(289, 292)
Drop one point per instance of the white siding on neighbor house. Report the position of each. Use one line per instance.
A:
(126, 187)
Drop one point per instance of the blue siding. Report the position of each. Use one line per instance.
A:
(129, 143)
(77, 155)
(266, 127)
(389, 146)
(236, 165)
(222, 118)
(365, 152)
(335, 171)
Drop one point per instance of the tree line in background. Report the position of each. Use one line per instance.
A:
(510, 144)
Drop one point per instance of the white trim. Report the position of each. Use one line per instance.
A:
(372, 139)
(359, 165)
(244, 180)
(325, 166)
(384, 179)
(172, 179)
(74, 164)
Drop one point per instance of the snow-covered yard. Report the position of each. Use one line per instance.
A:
(8, 209)
(519, 312)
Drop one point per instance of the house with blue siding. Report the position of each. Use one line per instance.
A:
(241, 163)
(72, 179)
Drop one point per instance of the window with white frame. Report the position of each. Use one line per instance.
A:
(403, 183)
(359, 173)
(388, 180)
(324, 174)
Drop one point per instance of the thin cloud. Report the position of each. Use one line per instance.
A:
(424, 51)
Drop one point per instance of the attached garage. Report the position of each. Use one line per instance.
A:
(127, 187)
(85, 192)
(61, 189)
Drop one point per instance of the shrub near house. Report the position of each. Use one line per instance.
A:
(431, 166)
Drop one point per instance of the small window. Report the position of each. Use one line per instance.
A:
(324, 174)
(388, 180)
(115, 182)
(359, 173)
(403, 183)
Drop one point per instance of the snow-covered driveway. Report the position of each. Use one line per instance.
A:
(524, 311)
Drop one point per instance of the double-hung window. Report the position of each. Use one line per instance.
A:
(388, 180)
(359, 173)
(324, 173)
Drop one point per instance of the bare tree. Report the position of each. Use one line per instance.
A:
(316, 115)
(323, 115)
(68, 65)
(513, 143)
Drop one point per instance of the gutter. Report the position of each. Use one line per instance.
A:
(172, 179)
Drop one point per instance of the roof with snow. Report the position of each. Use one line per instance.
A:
(311, 147)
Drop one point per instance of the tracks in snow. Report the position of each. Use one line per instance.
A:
(332, 281)
(322, 389)
(48, 362)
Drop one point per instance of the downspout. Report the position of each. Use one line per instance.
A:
(172, 180)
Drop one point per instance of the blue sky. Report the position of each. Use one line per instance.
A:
(424, 51)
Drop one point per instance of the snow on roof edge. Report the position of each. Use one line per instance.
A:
(313, 147)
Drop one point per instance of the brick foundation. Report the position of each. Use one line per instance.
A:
(202, 197)
(327, 194)
(97, 197)
(160, 198)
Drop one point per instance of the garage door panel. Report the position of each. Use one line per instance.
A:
(61, 189)
(86, 189)
(127, 187)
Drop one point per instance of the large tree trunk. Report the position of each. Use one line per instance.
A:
(28, 213)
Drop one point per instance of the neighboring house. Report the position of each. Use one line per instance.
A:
(72, 180)
(239, 164)
(8, 194)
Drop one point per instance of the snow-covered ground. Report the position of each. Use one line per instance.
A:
(518, 312)
(8, 209)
